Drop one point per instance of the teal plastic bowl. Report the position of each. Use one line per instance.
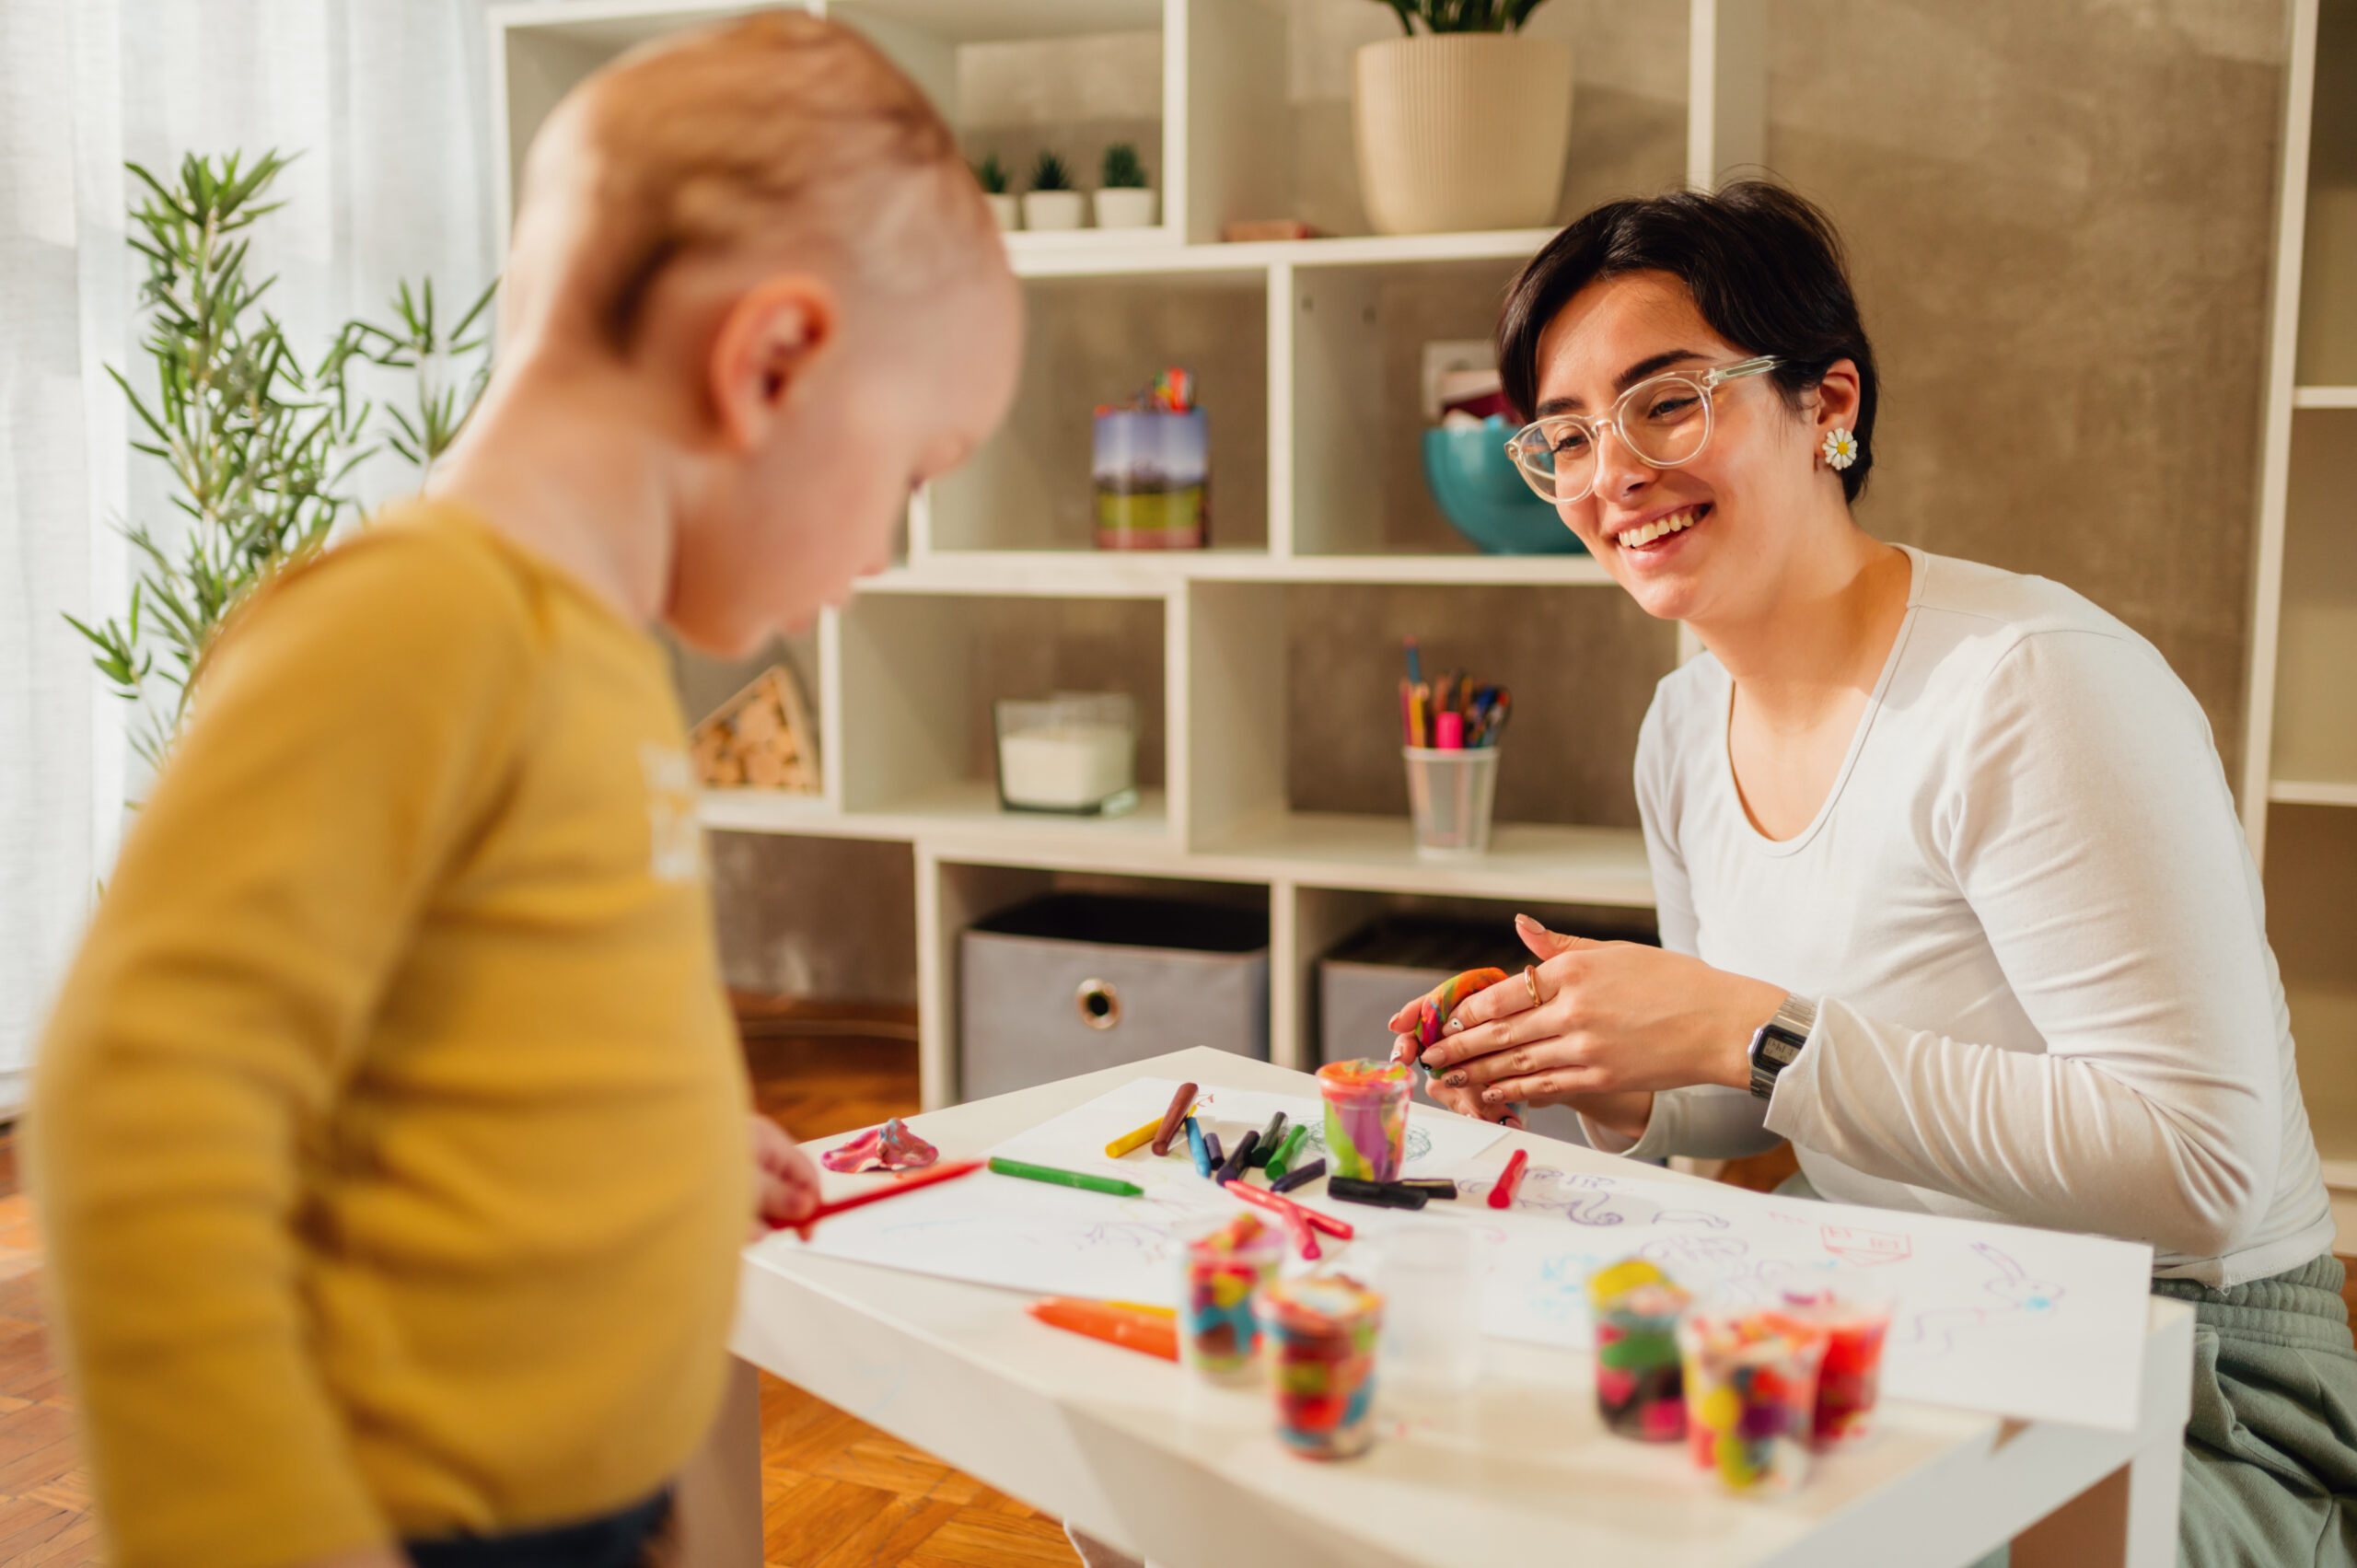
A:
(1479, 491)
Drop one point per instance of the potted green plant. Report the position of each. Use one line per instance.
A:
(1464, 124)
(1051, 202)
(991, 175)
(1125, 199)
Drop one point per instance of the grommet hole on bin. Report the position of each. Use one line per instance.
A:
(1099, 1003)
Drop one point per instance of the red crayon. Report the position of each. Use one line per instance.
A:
(1275, 1204)
(1295, 1218)
(1502, 1195)
(906, 1184)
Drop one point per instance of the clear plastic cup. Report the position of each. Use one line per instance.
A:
(1751, 1393)
(1222, 1266)
(1321, 1333)
(1449, 795)
(1854, 1309)
(1639, 1379)
(1432, 1311)
(1366, 1118)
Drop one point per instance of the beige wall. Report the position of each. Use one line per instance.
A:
(2063, 220)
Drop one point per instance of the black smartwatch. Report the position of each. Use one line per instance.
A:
(1777, 1044)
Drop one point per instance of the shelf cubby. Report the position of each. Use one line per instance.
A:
(1358, 341)
(1293, 738)
(2311, 865)
(2316, 705)
(2328, 304)
(916, 677)
(1095, 341)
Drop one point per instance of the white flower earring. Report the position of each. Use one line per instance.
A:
(1841, 449)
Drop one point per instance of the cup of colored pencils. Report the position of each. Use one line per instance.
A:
(1451, 729)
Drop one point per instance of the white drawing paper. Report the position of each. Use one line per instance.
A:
(2036, 1324)
(1051, 1240)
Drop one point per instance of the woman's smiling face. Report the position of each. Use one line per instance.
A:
(1735, 513)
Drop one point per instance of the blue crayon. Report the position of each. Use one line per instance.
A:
(1202, 1156)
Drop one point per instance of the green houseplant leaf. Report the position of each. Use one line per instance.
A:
(1122, 170)
(1461, 16)
(1050, 173)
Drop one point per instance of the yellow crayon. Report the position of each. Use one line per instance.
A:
(1135, 1138)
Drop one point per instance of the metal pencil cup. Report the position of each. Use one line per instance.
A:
(1450, 794)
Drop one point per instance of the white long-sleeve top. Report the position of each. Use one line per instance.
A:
(2033, 931)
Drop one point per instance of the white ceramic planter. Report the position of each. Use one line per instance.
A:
(1118, 208)
(1007, 210)
(1462, 130)
(1050, 210)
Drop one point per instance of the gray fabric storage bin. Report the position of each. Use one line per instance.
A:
(1076, 982)
(1362, 979)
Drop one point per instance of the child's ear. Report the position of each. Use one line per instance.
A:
(766, 343)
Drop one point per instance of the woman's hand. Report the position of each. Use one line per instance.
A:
(1614, 1022)
(785, 1184)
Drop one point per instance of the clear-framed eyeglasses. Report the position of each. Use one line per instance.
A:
(1663, 420)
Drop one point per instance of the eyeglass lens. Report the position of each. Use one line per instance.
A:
(1664, 423)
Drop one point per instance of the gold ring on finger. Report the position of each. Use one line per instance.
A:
(1530, 979)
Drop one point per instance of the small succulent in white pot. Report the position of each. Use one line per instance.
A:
(1051, 202)
(1124, 197)
(991, 175)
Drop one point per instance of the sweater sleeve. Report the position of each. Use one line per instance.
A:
(2087, 821)
(1706, 1121)
(352, 729)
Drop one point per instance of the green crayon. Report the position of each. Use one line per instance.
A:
(1079, 1179)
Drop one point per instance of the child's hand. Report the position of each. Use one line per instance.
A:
(785, 1184)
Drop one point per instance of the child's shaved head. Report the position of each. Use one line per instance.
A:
(781, 134)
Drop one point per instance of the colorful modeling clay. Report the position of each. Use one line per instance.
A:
(1181, 1107)
(1639, 1385)
(889, 1147)
(1321, 1363)
(1366, 1118)
(1433, 1013)
(1220, 1271)
(1750, 1394)
(1855, 1316)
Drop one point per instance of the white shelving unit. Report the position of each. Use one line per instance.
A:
(2299, 794)
(1299, 348)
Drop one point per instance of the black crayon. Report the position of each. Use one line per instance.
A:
(1271, 1137)
(1437, 1187)
(1299, 1175)
(1381, 1194)
(1239, 1159)
(1211, 1147)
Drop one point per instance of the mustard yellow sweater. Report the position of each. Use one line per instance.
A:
(390, 1135)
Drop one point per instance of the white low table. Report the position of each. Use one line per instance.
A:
(1141, 1453)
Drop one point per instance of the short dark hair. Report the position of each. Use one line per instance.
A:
(1764, 264)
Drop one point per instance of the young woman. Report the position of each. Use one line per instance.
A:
(1951, 888)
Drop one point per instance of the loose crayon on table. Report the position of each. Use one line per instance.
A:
(1297, 1218)
(905, 1184)
(1049, 1174)
(1266, 1147)
(1211, 1145)
(1436, 1186)
(1196, 1148)
(1238, 1158)
(1135, 1138)
(1282, 1161)
(1502, 1195)
(1381, 1194)
(1151, 1331)
(1182, 1110)
(1301, 1177)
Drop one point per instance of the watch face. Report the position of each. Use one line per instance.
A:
(1781, 1048)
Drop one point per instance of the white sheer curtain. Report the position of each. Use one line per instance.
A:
(385, 102)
